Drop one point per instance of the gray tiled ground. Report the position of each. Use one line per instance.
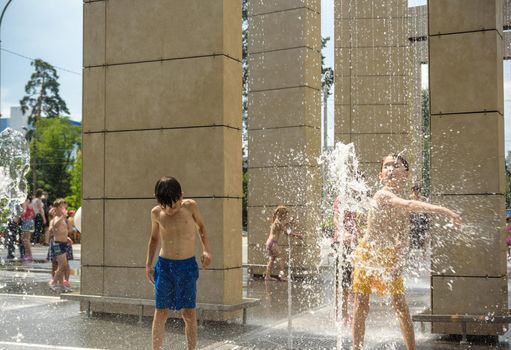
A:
(32, 317)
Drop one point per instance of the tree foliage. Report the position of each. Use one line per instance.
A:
(55, 144)
(327, 73)
(75, 198)
(42, 94)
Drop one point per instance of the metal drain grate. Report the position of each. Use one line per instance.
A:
(280, 341)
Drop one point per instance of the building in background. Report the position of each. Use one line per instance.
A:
(16, 121)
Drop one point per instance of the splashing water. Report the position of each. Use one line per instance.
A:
(345, 185)
(14, 164)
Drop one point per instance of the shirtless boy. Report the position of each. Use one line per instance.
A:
(381, 254)
(174, 223)
(59, 228)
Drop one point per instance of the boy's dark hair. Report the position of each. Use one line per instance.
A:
(397, 157)
(167, 191)
(38, 193)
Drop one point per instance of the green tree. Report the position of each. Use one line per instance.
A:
(42, 94)
(327, 73)
(55, 144)
(75, 198)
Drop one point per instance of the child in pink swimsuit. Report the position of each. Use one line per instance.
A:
(279, 225)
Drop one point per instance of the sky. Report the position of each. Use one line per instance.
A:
(46, 29)
(52, 30)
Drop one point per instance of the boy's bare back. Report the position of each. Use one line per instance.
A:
(178, 231)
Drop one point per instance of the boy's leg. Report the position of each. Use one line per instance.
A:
(61, 269)
(26, 244)
(360, 311)
(158, 331)
(405, 321)
(190, 318)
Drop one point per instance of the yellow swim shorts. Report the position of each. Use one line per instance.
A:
(383, 258)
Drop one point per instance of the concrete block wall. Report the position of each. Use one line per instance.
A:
(162, 96)
(372, 85)
(284, 124)
(467, 159)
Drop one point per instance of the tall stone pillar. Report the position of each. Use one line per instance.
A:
(371, 79)
(467, 160)
(162, 96)
(418, 53)
(284, 121)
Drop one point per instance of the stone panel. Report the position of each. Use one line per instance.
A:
(94, 99)
(285, 29)
(284, 108)
(262, 7)
(379, 89)
(93, 163)
(92, 232)
(373, 147)
(460, 295)
(456, 16)
(94, 27)
(293, 67)
(283, 146)
(369, 32)
(342, 120)
(465, 73)
(227, 287)
(373, 61)
(284, 185)
(461, 165)
(380, 118)
(369, 8)
(191, 156)
(127, 282)
(91, 280)
(478, 249)
(141, 31)
(128, 228)
(177, 93)
(343, 90)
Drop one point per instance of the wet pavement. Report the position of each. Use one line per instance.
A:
(34, 317)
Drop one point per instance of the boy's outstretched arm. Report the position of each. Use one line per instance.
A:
(206, 255)
(151, 246)
(418, 206)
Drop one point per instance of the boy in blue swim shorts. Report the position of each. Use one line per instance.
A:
(174, 223)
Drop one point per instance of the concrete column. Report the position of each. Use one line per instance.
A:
(467, 160)
(162, 96)
(418, 55)
(371, 82)
(284, 123)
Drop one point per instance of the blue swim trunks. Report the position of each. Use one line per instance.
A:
(175, 283)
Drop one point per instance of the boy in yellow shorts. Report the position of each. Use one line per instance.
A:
(381, 253)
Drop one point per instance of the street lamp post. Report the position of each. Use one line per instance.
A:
(1, 18)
